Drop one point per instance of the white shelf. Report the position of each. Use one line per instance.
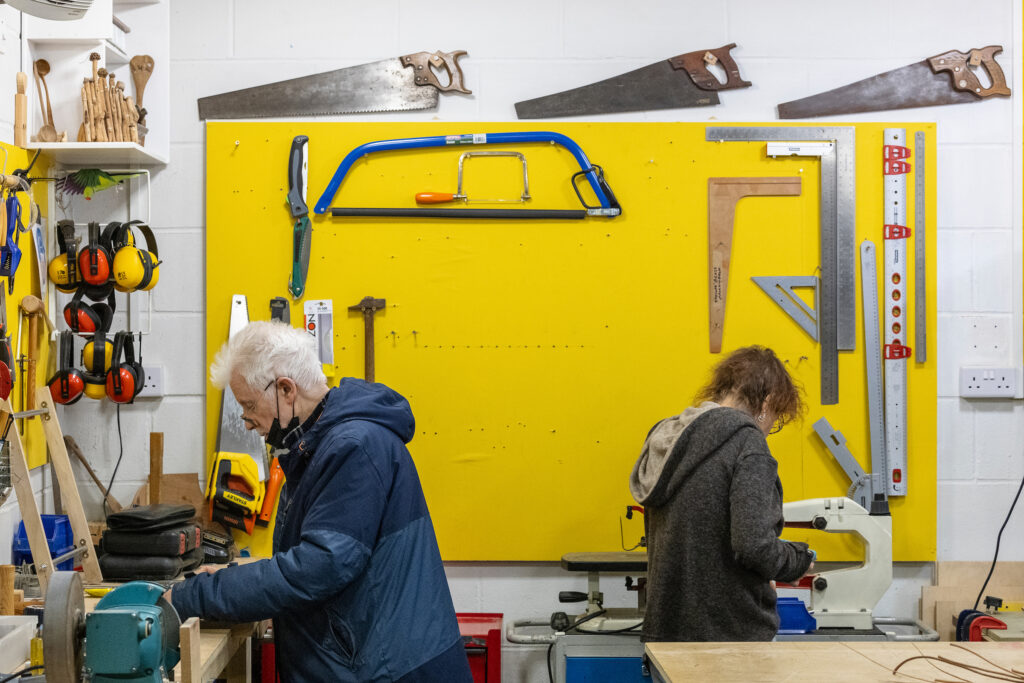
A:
(98, 154)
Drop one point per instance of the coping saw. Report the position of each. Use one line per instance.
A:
(396, 84)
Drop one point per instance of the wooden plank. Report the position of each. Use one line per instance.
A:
(974, 573)
(812, 662)
(27, 500)
(191, 660)
(156, 465)
(7, 598)
(61, 464)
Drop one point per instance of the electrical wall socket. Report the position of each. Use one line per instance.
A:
(154, 387)
(988, 382)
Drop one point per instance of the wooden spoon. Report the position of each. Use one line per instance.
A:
(47, 133)
(142, 69)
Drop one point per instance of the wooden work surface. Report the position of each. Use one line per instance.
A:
(796, 662)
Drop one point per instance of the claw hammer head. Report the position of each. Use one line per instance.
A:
(368, 305)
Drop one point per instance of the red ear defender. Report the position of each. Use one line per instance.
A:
(67, 385)
(121, 379)
(94, 260)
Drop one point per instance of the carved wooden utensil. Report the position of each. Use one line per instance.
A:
(47, 132)
(142, 69)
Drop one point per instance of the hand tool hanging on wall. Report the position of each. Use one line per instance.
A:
(943, 79)
(594, 174)
(920, 262)
(319, 321)
(460, 196)
(396, 84)
(368, 306)
(302, 233)
(780, 289)
(6, 355)
(873, 371)
(677, 82)
(33, 308)
(894, 326)
(232, 436)
(279, 309)
(723, 194)
(838, 295)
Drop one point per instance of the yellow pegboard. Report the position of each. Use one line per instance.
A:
(537, 354)
(25, 282)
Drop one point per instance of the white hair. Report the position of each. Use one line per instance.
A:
(264, 351)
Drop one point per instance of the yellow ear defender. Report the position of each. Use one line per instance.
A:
(63, 268)
(95, 365)
(136, 269)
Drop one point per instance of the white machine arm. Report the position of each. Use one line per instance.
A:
(845, 598)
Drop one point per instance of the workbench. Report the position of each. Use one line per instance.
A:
(796, 662)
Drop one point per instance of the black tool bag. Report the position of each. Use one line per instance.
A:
(151, 517)
(148, 568)
(150, 542)
(173, 542)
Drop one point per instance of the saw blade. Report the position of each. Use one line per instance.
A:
(655, 86)
(367, 88)
(232, 436)
(911, 86)
(64, 628)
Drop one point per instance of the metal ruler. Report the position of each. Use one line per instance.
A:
(920, 226)
(780, 289)
(837, 309)
(894, 328)
(873, 371)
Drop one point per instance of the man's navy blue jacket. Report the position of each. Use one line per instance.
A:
(356, 587)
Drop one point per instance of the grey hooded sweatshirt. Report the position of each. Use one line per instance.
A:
(713, 513)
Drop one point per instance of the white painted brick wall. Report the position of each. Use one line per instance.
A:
(788, 49)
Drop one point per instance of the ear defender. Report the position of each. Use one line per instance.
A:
(135, 269)
(94, 260)
(83, 317)
(63, 268)
(97, 356)
(121, 378)
(67, 385)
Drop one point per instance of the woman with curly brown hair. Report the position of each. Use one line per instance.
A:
(713, 504)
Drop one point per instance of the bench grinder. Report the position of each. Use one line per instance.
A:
(131, 634)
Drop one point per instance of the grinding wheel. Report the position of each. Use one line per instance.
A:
(64, 628)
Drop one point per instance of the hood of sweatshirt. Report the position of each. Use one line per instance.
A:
(678, 444)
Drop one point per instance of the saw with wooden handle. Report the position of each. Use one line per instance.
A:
(396, 84)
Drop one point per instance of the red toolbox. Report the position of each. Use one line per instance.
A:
(481, 634)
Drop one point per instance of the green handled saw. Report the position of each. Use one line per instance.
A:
(396, 84)
(943, 79)
(298, 164)
(681, 81)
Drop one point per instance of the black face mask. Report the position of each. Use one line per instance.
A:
(277, 434)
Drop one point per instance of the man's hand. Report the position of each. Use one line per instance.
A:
(205, 569)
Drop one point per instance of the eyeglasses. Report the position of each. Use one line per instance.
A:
(250, 406)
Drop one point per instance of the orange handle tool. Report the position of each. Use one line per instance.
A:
(435, 197)
(273, 488)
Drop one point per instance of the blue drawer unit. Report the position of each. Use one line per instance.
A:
(605, 670)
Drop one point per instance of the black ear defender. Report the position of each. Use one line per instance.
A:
(67, 385)
(136, 365)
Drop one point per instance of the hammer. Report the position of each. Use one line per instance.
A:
(368, 306)
(33, 308)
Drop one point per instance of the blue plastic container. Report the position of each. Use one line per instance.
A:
(794, 617)
(58, 537)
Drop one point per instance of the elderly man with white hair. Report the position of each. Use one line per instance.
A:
(355, 586)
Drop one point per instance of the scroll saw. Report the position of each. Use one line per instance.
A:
(845, 598)
(131, 634)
